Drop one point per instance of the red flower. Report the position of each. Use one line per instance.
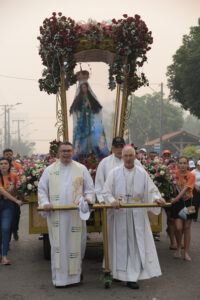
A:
(60, 14)
(137, 16)
(54, 14)
(130, 19)
(125, 15)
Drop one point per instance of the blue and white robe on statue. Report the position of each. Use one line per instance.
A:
(88, 133)
(133, 256)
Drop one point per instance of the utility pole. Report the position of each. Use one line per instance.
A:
(18, 129)
(7, 108)
(5, 126)
(161, 118)
(9, 140)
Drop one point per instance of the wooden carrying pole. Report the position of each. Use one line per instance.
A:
(102, 206)
(64, 105)
(105, 241)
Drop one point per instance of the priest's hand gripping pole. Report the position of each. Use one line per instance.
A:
(104, 207)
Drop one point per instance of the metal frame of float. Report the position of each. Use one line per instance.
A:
(87, 51)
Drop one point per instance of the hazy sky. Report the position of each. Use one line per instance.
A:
(20, 21)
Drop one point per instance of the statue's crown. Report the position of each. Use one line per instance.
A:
(82, 75)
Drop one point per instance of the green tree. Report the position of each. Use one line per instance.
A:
(144, 118)
(184, 73)
(191, 152)
(24, 148)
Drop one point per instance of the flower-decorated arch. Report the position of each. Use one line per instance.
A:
(122, 44)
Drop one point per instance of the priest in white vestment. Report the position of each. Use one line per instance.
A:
(133, 255)
(63, 184)
(109, 163)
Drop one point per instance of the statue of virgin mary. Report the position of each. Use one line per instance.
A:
(88, 131)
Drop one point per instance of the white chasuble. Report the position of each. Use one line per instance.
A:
(63, 185)
(76, 224)
(134, 255)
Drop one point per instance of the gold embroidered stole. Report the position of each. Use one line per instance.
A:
(76, 223)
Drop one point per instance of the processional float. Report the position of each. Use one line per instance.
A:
(122, 44)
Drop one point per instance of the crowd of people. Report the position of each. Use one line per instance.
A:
(120, 178)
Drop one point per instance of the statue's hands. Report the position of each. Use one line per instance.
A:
(87, 104)
(48, 207)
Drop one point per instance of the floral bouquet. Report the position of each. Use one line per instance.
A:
(30, 174)
(91, 162)
(54, 148)
(163, 175)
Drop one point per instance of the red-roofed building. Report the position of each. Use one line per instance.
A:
(175, 141)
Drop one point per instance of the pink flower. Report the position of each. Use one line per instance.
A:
(157, 174)
(156, 182)
(18, 184)
(156, 167)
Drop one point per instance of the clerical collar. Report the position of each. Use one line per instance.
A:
(129, 170)
(65, 165)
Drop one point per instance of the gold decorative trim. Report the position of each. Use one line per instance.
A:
(64, 105)
(116, 117)
(59, 122)
(124, 103)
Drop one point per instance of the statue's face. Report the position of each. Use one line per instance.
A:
(84, 88)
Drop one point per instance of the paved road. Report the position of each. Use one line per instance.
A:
(29, 276)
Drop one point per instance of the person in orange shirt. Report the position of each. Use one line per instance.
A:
(15, 167)
(8, 184)
(185, 186)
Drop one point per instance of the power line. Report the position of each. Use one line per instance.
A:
(19, 78)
